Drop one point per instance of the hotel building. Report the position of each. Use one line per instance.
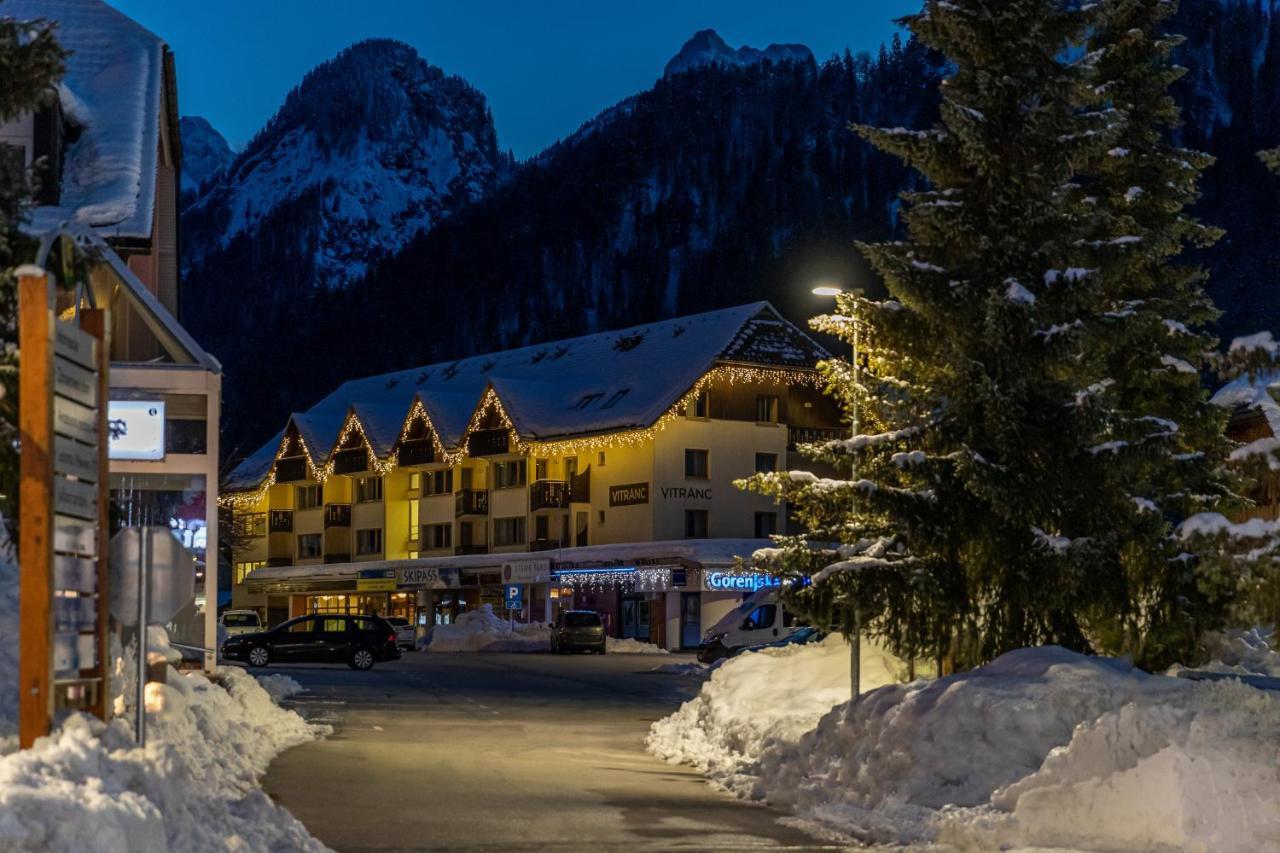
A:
(596, 472)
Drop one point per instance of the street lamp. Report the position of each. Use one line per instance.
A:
(855, 651)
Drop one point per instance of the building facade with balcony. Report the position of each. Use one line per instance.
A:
(593, 472)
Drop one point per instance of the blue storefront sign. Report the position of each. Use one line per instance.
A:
(739, 581)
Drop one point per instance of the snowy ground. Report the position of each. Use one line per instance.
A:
(1040, 748)
(194, 787)
(482, 630)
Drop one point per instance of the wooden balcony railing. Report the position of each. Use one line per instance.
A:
(337, 515)
(351, 461)
(809, 435)
(488, 442)
(472, 502)
(419, 452)
(548, 494)
(291, 470)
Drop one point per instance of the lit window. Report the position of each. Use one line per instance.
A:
(243, 569)
(413, 521)
(415, 481)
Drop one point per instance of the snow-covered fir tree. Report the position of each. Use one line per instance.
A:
(1033, 428)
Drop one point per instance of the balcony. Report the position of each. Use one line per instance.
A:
(337, 515)
(337, 558)
(580, 487)
(472, 502)
(809, 435)
(291, 470)
(351, 461)
(488, 442)
(280, 521)
(479, 548)
(419, 452)
(548, 494)
(543, 544)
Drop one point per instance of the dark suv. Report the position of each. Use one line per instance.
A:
(357, 641)
(578, 629)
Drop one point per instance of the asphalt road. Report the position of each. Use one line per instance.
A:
(480, 752)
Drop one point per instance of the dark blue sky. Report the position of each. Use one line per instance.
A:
(546, 66)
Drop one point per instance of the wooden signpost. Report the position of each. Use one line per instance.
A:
(62, 515)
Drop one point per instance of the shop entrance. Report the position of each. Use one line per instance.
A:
(690, 620)
(635, 617)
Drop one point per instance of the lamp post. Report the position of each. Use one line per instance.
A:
(855, 651)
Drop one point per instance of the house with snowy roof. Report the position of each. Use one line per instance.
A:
(1254, 424)
(106, 156)
(609, 457)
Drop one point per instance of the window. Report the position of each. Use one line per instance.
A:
(766, 463)
(437, 535)
(541, 527)
(695, 524)
(617, 396)
(508, 531)
(600, 460)
(369, 541)
(602, 516)
(507, 475)
(309, 497)
(695, 464)
(252, 524)
(309, 546)
(586, 400)
(243, 569)
(761, 617)
(413, 521)
(540, 469)
(415, 481)
(302, 626)
(368, 489)
(766, 409)
(701, 407)
(438, 482)
(766, 524)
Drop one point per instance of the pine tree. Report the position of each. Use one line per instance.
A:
(30, 64)
(1020, 469)
(1162, 441)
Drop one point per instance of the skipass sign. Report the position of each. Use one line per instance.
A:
(718, 581)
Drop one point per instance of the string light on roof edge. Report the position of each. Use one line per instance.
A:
(730, 373)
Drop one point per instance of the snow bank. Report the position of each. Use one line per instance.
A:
(1042, 747)
(1251, 652)
(194, 787)
(761, 699)
(632, 646)
(482, 630)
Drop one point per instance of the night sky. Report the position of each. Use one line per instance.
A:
(546, 66)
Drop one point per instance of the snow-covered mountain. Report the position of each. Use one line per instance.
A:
(373, 147)
(204, 153)
(707, 48)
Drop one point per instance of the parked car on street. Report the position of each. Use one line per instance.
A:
(578, 630)
(406, 634)
(761, 619)
(358, 641)
(236, 622)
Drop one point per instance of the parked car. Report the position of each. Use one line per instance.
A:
(406, 634)
(358, 641)
(235, 622)
(761, 619)
(581, 630)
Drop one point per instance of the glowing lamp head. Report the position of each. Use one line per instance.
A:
(827, 290)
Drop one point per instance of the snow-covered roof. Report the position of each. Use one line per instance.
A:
(112, 91)
(1252, 392)
(599, 383)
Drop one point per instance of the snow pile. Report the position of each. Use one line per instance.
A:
(761, 700)
(482, 630)
(279, 687)
(192, 788)
(632, 646)
(1042, 747)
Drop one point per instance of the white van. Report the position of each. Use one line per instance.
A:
(759, 619)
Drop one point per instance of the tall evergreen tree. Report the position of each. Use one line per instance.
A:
(1024, 457)
(30, 64)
